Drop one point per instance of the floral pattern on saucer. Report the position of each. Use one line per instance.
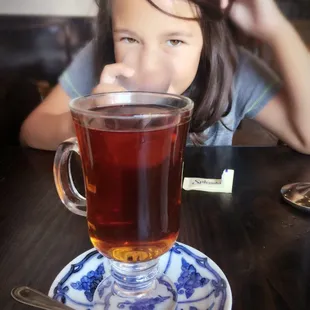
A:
(200, 283)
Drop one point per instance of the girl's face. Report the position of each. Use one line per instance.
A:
(142, 30)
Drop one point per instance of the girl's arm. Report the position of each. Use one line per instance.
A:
(51, 122)
(287, 115)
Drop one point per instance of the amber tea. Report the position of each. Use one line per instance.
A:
(132, 170)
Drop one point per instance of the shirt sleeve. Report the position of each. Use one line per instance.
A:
(255, 85)
(79, 78)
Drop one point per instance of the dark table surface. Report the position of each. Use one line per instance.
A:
(261, 243)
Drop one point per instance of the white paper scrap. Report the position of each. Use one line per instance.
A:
(223, 185)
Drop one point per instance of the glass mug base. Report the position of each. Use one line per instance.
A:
(135, 286)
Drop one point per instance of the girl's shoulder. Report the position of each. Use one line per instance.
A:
(79, 78)
(255, 83)
(250, 61)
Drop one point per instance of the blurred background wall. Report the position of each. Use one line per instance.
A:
(48, 7)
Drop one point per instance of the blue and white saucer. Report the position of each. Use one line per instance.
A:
(200, 283)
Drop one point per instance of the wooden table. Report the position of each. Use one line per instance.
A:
(262, 244)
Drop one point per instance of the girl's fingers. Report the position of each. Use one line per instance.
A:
(106, 88)
(111, 72)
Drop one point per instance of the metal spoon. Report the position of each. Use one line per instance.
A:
(297, 195)
(34, 298)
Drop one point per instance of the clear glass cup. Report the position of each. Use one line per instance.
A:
(131, 146)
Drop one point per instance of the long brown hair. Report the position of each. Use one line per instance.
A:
(212, 86)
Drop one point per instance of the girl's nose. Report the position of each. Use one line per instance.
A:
(149, 60)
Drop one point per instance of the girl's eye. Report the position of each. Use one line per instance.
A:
(174, 43)
(129, 40)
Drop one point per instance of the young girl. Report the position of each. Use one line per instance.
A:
(226, 82)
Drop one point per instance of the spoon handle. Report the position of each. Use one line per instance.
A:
(34, 298)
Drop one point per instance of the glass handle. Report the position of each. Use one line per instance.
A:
(66, 189)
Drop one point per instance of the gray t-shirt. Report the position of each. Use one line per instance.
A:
(253, 87)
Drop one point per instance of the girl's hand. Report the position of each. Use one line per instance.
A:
(108, 80)
(258, 18)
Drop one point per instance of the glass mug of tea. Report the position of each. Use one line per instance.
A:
(131, 146)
